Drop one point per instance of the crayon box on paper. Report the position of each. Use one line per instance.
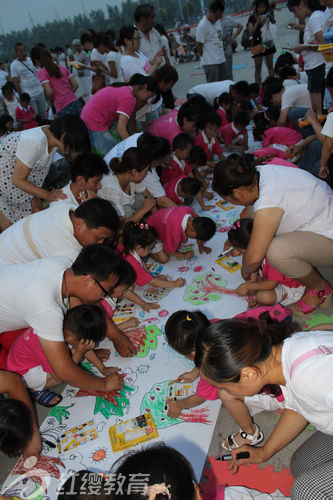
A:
(78, 436)
(178, 390)
(229, 264)
(132, 432)
(225, 205)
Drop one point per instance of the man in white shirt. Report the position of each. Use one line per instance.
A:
(150, 40)
(239, 91)
(210, 43)
(38, 293)
(61, 230)
(26, 80)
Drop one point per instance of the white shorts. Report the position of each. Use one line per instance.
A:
(286, 295)
(262, 402)
(153, 184)
(35, 378)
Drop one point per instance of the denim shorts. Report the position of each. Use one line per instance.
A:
(316, 79)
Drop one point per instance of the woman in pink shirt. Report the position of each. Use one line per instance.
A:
(115, 104)
(58, 83)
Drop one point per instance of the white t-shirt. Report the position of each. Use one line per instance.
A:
(33, 149)
(97, 56)
(26, 72)
(211, 90)
(119, 149)
(30, 295)
(112, 191)
(131, 65)
(43, 234)
(307, 201)
(328, 126)
(150, 47)
(70, 197)
(309, 391)
(115, 57)
(3, 78)
(296, 95)
(314, 24)
(210, 35)
(82, 57)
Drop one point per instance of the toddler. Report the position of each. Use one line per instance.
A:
(138, 242)
(208, 125)
(11, 102)
(234, 135)
(173, 226)
(181, 147)
(272, 287)
(222, 107)
(84, 326)
(25, 113)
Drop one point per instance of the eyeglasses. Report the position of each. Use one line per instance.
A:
(105, 292)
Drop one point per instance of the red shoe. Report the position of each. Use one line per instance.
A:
(305, 309)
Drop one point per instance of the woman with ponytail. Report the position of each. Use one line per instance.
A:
(122, 185)
(292, 224)
(115, 105)
(58, 83)
(241, 358)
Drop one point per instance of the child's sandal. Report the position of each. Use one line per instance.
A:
(46, 398)
(302, 308)
(254, 439)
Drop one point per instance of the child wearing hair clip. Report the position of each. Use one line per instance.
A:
(271, 287)
(138, 241)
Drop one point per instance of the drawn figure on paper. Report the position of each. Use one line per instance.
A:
(60, 412)
(206, 287)
(154, 402)
(153, 294)
(144, 339)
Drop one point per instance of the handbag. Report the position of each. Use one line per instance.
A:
(257, 49)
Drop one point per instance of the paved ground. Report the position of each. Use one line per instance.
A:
(190, 74)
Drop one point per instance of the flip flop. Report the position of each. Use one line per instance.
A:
(45, 397)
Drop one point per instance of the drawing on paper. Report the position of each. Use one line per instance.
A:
(154, 402)
(45, 467)
(60, 412)
(144, 339)
(206, 287)
(100, 454)
(153, 294)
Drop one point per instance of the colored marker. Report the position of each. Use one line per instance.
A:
(228, 457)
(225, 252)
(58, 445)
(51, 445)
(173, 382)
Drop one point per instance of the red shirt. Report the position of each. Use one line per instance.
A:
(26, 114)
(171, 189)
(269, 273)
(214, 147)
(228, 133)
(223, 115)
(168, 224)
(281, 135)
(176, 168)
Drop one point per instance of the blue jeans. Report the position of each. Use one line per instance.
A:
(293, 116)
(101, 142)
(73, 108)
(311, 159)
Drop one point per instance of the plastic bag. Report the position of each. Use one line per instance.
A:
(268, 33)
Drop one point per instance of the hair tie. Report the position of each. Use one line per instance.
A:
(236, 225)
(143, 226)
(188, 317)
(157, 489)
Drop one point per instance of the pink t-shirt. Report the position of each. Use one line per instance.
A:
(270, 273)
(223, 115)
(175, 168)
(206, 391)
(281, 135)
(26, 353)
(171, 189)
(210, 150)
(107, 307)
(270, 151)
(166, 126)
(168, 224)
(103, 108)
(228, 133)
(279, 161)
(142, 276)
(62, 90)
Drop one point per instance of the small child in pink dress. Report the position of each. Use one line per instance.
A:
(222, 107)
(173, 226)
(25, 113)
(181, 147)
(234, 134)
(207, 139)
(272, 287)
(138, 242)
(84, 326)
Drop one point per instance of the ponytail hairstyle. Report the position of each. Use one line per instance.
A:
(131, 160)
(183, 328)
(240, 233)
(234, 172)
(224, 98)
(138, 233)
(229, 345)
(138, 80)
(42, 57)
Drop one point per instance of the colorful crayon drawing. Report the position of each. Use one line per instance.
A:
(153, 294)
(185, 247)
(144, 339)
(206, 287)
(317, 319)
(154, 402)
(46, 467)
(60, 412)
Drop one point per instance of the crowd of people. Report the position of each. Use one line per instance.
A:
(89, 194)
